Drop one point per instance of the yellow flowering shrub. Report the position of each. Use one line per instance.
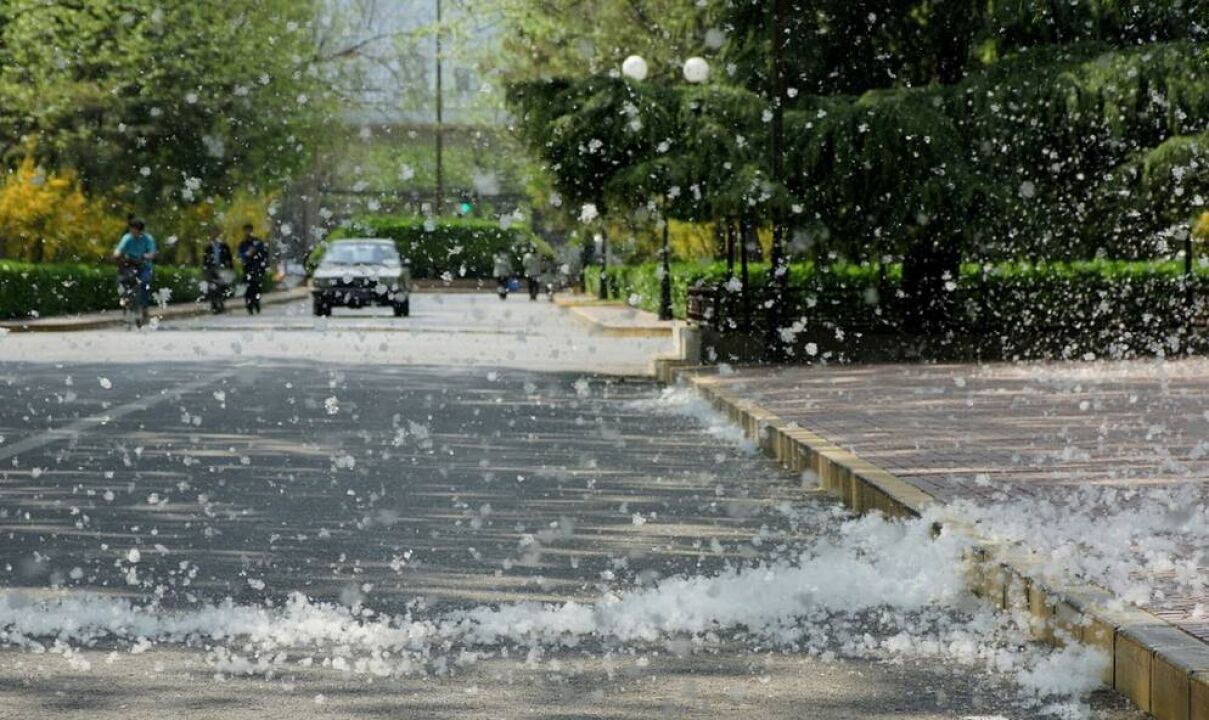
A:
(185, 231)
(247, 208)
(45, 216)
(1200, 227)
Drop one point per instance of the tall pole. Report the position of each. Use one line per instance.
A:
(665, 282)
(777, 265)
(730, 248)
(745, 244)
(439, 200)
(602, 291)
(1189, 292)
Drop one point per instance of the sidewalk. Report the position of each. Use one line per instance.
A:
(1075, 478)
(110, 318)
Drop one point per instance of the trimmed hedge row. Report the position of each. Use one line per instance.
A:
(1011, 310)
(44, 289)
(462, 247)
(840, 288)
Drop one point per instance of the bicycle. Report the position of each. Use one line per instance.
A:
(131, 294)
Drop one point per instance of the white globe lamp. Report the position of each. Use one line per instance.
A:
(696, 70)
(634, 67)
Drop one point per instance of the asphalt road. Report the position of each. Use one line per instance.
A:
(438, 480)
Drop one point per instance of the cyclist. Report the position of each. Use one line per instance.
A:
(137, 248)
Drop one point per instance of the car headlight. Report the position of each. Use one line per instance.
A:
(323, 282)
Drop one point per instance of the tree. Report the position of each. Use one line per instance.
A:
(991, 129)
(163, 102)
(573, 39)
(924, 132)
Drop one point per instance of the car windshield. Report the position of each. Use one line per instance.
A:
(360, 254)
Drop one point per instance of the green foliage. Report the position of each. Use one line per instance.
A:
(163, 103)
(592, 131)
(578, 38)
(1085, 151)
(849, 288)
(461, 248)
(44, 289)
(1024, 310)
(920, 131)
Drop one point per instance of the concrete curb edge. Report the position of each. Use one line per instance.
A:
(172, 312)
(604, 328)
(1159, 667)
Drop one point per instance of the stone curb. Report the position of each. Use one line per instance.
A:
(172, 312)
(576, 299)
(611, 329)
(1162, 669)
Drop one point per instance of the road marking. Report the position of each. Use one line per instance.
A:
(75, 429)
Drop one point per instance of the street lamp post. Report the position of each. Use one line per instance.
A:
(665, 282)
(776, 166)
(696, 71)
(602, 291)
(439, 195)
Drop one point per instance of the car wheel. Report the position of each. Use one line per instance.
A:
(403, 309)
(321, 308)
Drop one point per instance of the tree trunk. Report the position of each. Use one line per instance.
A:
(930, 274)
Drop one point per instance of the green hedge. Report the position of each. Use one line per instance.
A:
(462, 247)
(1012, 309)
(44, 289)
(840, 289)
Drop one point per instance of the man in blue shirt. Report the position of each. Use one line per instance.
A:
(137, 246)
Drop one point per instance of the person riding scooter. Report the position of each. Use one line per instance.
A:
(218, 266)
(531, 263)
(503, 273)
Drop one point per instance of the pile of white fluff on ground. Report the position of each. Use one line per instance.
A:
(873, 588)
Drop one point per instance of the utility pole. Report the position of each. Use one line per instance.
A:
(439, 200)
(778, 264)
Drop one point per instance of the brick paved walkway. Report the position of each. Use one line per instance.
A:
(1033, 431)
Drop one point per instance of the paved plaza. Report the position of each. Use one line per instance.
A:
(1097, 444)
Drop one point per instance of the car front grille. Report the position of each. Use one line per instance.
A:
(357, 283)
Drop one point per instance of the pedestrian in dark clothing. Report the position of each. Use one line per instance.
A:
(218, 267)
(218, 256)
(254, 255)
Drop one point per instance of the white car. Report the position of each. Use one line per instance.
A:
(358, 272)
